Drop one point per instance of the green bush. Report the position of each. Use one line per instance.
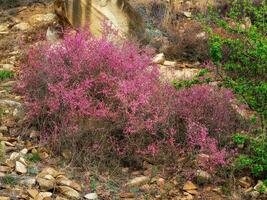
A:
(240, 139)
(238, 50)
(6, 74)
(9, 180)
(240, 53)
(254, 157)
(33, 157)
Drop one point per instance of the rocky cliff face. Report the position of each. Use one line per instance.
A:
(95, 12)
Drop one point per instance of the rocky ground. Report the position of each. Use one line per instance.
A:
(28, 170)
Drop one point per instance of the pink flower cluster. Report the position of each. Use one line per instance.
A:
(198, 137)
(88, 78)
(211, 107)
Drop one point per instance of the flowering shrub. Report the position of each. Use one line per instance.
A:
(84, 77)
(198, 136)
(115, 90)
(210, 107)
(210, 119)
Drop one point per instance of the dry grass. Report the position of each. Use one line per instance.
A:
(172, 33)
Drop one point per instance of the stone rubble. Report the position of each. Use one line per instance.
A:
(138, 181)
(190, 187)
(48, 184)
(93, 196)
(159, 59)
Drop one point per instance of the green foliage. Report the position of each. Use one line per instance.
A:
(5, 74)
(241, 54)
(92, 184)
(255, 156)
(255, 10)
(263, 188)
(33, 157)
(10, 180)
(196, 80)
(239, 139)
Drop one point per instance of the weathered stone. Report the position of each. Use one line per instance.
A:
(8, 84)
(15, 105)
(33, 193)
(34, 150)
(187, 14)
(170, 63)
(159, 59)
(14, 156)
(68, 192)
(94, 13)
(23, 161)
(4, 27)
(28, 182)
(203, 176)
(46, 184)
(44, 196)
(51, 171)
(189, 186)
(24, 151)
(138, 181)
(5, 169)
(62, 180)
(52, 34)
(170, 73)
(127, 195)
(4, 198)
(8, 67)
(23, 26)
(202, 35)
(9, 144)
(10, 163)
(20, 168)
(245, 182)
(48, 177)
(42, 19)
(125, 170)
(91, 196)
(2, 174)
(4, 32)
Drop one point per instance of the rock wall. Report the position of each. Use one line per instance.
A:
(93, 13)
